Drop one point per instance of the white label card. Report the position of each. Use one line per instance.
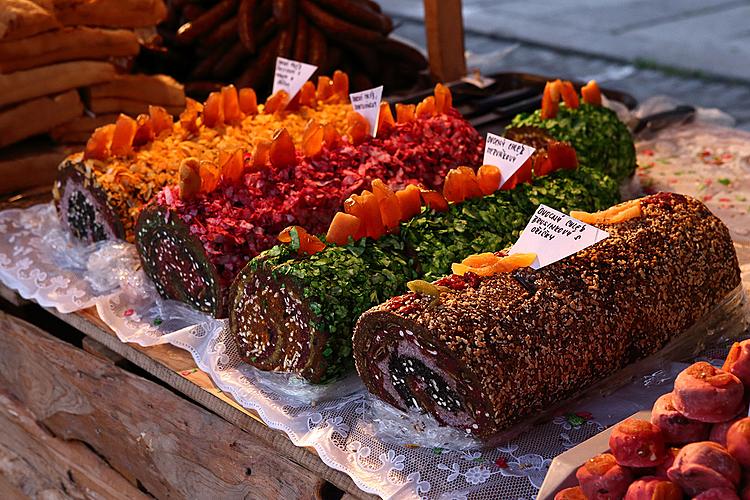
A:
(506, 155)
(552, 236)
(291, 75)
(367, 104)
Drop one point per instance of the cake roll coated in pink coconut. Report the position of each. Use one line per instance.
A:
(488, 351)
(675, 427)
(601, 478)
(651, 487)
(662, 468)
(738, 441)
(702, 466)
(703, 392)
(637, 443)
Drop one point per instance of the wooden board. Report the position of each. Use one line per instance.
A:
(445, 39)
(176, 369)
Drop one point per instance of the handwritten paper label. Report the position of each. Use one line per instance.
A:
(552, 236)
(291, 75)
(367, 104)
(506, 155)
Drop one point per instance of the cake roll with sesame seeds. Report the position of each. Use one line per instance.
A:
(486, 352)
(294, 313)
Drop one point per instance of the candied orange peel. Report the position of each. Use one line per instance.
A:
(614, 215)
(490, 264)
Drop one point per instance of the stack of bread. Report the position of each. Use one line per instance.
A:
(63, 72)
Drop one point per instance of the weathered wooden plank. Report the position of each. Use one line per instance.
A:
(33, 463)
(445, 38)
(176, 368)
(173, 447)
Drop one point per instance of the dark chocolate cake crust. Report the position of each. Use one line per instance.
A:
(83, 206)
(492, 351)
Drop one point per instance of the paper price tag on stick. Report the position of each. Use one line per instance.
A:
(367, 104)
(552, 236)
(291, 75)
(506, 155)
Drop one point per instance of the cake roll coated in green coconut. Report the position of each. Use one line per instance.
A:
(293, 313)
(486, 351)
(596, 133)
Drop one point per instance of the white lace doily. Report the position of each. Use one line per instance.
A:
(340, 420)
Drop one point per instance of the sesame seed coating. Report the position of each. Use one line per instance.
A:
(509, 350)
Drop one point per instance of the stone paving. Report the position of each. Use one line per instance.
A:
(496, 48)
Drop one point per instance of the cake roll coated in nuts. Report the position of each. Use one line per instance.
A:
(493, 350)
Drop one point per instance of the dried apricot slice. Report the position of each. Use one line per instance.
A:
(144, 131)
(213, 111)
(232, 165)
(189, 117)
(591, 93)
(340, 86)
(248, 101)
(325, 88)
(231, 102)
(489, 179)
(343, 226)
(390, 210)
(277, 102)
(307, 96)
(358, 128)
(569, 95)
(312, 139)
(426, 108)
(550, 105)
(385, 118)
(97, 147)
(614, 215)
(161, 120)
(432, 199)
(365, 206)
(261, 154)
(210, 176)
(562, 155)
(405, 113)
(409, 201)
(122, 137)
(282, 153)
(443, 98)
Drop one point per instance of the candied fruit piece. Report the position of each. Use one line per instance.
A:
(409, 201)
(232, 165)
(312, 139)
(231, 101)
(213, 110)
(385, 118)
(325, 88)
(189, 117)
(144, 131)
(549, 104)
(248, 101)
(97, 147)
(433, 200)
(390, 210)
(426, 108)
(489, 179)
(122, 137)
(591, 93)
(190, 179)
(340, 87)
(562, 155)
(282, 153)
(161, 120)
(443, 98)
(343, 226)
(277, 102)
(358, 127)
(405, 113)
(307, 95)
(569, 95)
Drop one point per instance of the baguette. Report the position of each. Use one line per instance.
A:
(47, 113)
(485, 352)
(160, 90)
(24, 18)
(37, 82)
(104, 105)
(111, 14)
(83, 125)
(66, 44)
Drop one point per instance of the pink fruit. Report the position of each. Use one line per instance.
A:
(650, 487)
(675, 427)
(637, 443)
(702, 466)
(601, 478)
(702, 392)
(718, 494)
(738, 441)
(718, 432)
